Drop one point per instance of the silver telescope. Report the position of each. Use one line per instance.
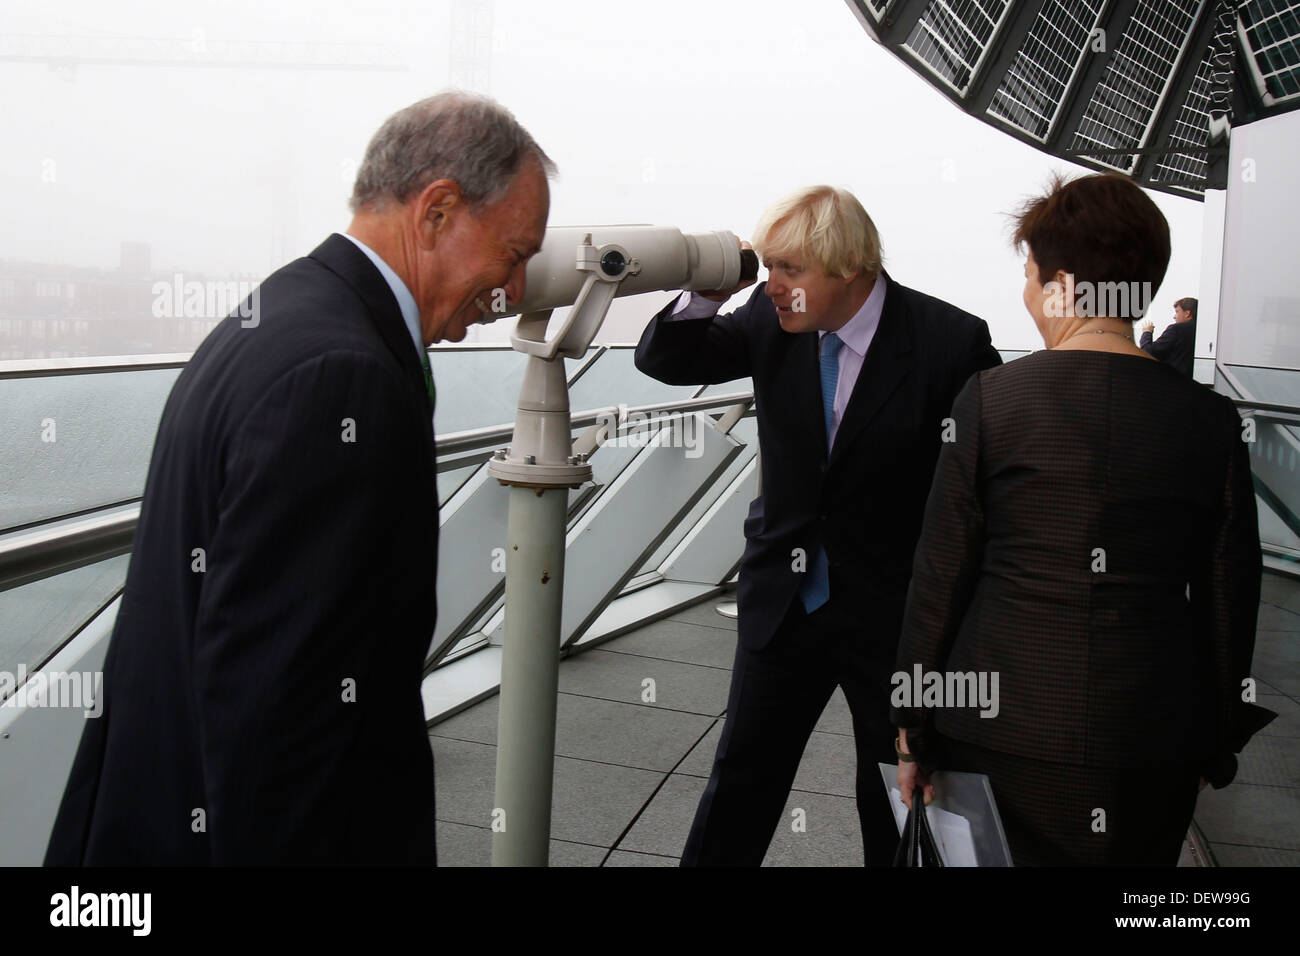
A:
(587, 267)
(639, 258)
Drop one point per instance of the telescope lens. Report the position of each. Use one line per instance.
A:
(612, 263)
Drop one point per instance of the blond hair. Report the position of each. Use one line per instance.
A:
(825, 224)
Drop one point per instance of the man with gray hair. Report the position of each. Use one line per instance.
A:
(261, 692)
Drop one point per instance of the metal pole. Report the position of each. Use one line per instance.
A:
(540, 468)
(530, 665)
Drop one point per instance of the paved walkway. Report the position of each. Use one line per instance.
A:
(629, 772)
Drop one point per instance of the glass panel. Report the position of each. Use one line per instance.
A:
(476, 387)
(1273, 531)
(1274, 386)
(75, 442)
(39, 617)
(614, 380)
(449, 482)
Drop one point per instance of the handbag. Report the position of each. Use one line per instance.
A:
(916, 847)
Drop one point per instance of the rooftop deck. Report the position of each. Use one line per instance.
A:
(629, 773)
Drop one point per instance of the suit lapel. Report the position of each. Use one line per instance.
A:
(888, 361)
(342, 257)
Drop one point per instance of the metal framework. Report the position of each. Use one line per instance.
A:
(1144, 87)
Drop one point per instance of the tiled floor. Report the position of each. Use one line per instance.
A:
(629, 771)
(1256, 821)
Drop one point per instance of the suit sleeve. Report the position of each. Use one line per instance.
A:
(318, 480)
(980, 354)
(681, 351)
(948, 553)
(1228, 599)
(1162, 347)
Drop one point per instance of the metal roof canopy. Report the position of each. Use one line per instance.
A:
(1145, 87)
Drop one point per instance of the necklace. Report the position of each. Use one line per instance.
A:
(1128, 338)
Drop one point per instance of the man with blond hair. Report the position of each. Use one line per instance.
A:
(854, 375)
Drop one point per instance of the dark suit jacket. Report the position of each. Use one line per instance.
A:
(226, 684)
(865, 503)
(1065, 460)
(1176, 346)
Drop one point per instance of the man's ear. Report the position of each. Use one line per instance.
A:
(432, 210)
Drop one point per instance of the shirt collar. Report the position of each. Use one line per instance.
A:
(405, 301)
(858, 331)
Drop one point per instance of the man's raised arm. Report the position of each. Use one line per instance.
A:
(688, 343)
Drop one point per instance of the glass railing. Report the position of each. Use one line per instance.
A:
(81, 439)
(1270, 398)
(80, 442)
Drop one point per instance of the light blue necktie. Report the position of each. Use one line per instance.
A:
(816, 587)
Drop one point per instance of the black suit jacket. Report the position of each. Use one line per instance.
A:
(262, 683)
(1176, 346)
(865, 502)
(1091, 536)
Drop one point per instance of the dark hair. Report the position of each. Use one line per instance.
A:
(1101, 229)
(1187, 305)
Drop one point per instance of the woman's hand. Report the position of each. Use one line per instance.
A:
(910, 775)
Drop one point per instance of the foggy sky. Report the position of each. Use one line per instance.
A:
(691, 114)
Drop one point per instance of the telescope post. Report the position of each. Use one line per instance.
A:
(540, 468)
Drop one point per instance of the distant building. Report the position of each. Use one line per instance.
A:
(49, 310)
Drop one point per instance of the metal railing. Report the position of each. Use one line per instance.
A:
(65, 544)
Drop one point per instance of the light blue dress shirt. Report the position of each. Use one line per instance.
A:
(405, 301)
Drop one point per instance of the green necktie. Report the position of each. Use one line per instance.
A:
(428, 380)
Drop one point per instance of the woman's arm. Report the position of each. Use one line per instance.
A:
(948, 556)
(1227, 600)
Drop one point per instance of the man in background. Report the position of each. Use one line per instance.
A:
(261, 694)
(1177, 344)
(854, 375)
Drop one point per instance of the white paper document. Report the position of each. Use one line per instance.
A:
(952, 833)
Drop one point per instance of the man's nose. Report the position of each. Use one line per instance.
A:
(774, 286)
(517, 284)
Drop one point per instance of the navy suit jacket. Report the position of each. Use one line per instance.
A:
(1176, 346)
(261, 692)
(865, 502)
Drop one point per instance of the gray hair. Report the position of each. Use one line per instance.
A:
(465, 137)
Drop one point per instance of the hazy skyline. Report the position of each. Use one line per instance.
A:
(695, 115)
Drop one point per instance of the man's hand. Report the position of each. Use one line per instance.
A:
(1148, 326)
(719, 295)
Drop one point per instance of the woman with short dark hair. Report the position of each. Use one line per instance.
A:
(1091, 539)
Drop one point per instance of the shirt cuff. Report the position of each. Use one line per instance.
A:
(692, 305)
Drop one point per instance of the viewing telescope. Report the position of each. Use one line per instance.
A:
(585, 267)
(588, 266)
